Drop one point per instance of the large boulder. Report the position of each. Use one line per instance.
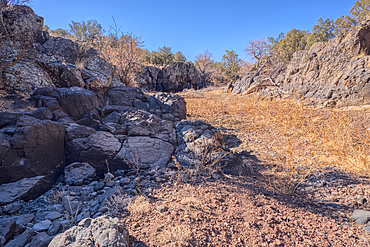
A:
(143, 151)
(26, 76)
(22, 22)
(168, 106)
(74, 101)
(146, 79)
(95, 149)
(36, 148)
(57, 61)
(24, 189)
(103, 231)
(178, 76)
(77, 173)
(124, 96)
(202, 146)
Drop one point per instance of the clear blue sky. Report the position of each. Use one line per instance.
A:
(193, 26)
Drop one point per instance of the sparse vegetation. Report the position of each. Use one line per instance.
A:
(302, 138)
(140, 205)
(176, 236)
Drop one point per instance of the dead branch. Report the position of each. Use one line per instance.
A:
(241, 89)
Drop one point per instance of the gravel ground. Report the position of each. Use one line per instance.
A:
(239, 211)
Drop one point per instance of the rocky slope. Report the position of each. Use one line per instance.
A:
(335, 73)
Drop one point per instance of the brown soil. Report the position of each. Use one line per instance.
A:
(255, 211)
(236, 211)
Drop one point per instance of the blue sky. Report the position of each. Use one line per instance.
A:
(193, 26)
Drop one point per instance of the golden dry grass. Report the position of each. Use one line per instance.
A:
(176, 236)
(293, 130)
(140, 205)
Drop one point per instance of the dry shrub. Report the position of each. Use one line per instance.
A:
(123, 52)
(176, 236)
(192, 201)
(116, 204)
(140, 205)
(328, 136)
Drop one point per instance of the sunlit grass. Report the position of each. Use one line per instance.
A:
(328, 135)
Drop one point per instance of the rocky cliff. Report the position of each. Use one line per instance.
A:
(335, 73)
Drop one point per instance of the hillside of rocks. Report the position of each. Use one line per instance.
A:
(59, 62)
(334, 74)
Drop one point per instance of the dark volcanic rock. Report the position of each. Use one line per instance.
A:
(94, 150)
(335, 73)
(24, 189)
(37, 148)
(178, 76)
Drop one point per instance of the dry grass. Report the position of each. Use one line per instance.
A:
(140, 205)
(361, 54)
(294, 131)
(176, 236)
(192, 201)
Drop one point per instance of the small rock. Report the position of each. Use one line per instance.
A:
(58, 208)
(137, 180)
(55, 228)
(93, 183)
(110, 183)
(99, 186)
(125, 181)
(41, 240)
(162, 208)
(216, 176)
(25, 219)
(84, 214)
(76, 173)
(53, 216)
(13, 207)
(22, 239)
(42, 226)
(361, 199)
(133, 192)
(65, 224)
(101, 192)
(108, 177)
(7, 228)
(361, 217)
(119, 173)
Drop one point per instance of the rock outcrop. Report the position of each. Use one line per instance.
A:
(67, 125)
(333, 74)
(202, 146)
(56, 62)
(172, 78)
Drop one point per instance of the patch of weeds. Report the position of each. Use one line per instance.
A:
(140, 205)
(176, 236)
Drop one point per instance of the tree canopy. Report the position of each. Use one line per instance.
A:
(163, 57)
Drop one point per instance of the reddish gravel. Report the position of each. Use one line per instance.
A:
(235, 211)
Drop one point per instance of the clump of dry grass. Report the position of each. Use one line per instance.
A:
(140, 205)
(329, 136)
(192, 201)
(176, 236)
